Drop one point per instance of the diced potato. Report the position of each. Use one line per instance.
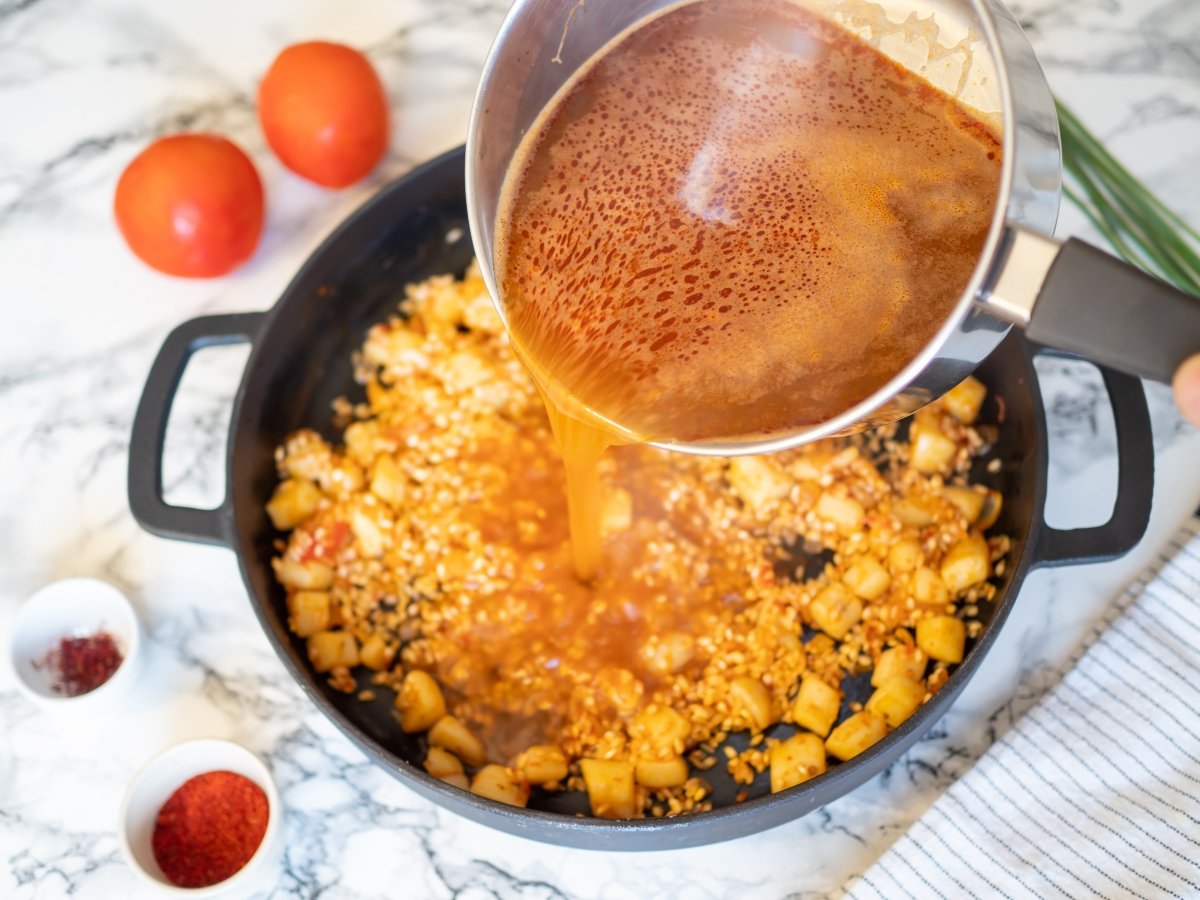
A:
(621, 688)
(787, 643)
(759, 482)
(915, 511)
(464, 371)
(835, 610)
(293, 502)
(305, 455)
(306, 576)
(928, 588)
(669, 653)
(308, 612)
(751, 697)
(904, 556)
(451, 734)
(500, 784)
(969, 501)
(542, 764)
(371, 539)
(343, 478)
(610, 788)
(659, 731)
(617, 514)
(377, 654)
(966, 564)
(444, 308)
(845, 457)
(820, 645)
(420, 701)
(855, 735)
(794, 761)
(479, 313)
(844, 512)
(942, 638)
(362, 441)
(867, 578)
(896, 699)
(330, 649)
(388, 481)
(397, 349)
(904, 661)
(816, 706)
(964, 401)
(439, 763)
(459, 780)
(931, 451)
(661, 773)
(992, 504)
(810, 466)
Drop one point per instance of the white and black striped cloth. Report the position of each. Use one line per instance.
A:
(1095, 792)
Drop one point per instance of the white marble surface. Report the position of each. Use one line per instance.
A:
(82, 87)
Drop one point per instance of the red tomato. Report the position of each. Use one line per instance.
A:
(325, 540)
(190, 205)
(324, 112)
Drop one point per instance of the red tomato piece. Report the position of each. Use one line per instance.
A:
(324, 112)
(326, 539)
(190, 205)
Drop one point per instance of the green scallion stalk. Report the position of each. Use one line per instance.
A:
(1141, 228)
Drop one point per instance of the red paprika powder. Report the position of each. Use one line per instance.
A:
(209, 828)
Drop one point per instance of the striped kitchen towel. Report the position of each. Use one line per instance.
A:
(1095, 792)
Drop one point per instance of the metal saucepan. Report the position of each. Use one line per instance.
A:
(301, 360)
(1071, 296)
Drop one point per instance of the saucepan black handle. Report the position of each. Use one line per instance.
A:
(1135, 484)
(1095, 305)
(152, 512)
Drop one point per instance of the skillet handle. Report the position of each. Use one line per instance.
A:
(1135, 483)
(152, 512)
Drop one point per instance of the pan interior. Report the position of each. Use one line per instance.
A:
(302, 362)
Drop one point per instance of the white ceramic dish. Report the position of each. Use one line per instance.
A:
(160, 778)
(74, 607)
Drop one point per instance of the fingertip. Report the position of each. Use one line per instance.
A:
(1187, 389)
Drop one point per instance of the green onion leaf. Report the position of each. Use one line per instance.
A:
(1141, 228)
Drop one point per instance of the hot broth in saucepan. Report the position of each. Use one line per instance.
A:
(736, 219)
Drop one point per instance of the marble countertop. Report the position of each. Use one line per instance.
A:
(83, 86)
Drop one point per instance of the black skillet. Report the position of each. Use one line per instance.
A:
(300, 362)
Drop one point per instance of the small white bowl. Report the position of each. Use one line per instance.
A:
(75, 607)
(161, 777)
